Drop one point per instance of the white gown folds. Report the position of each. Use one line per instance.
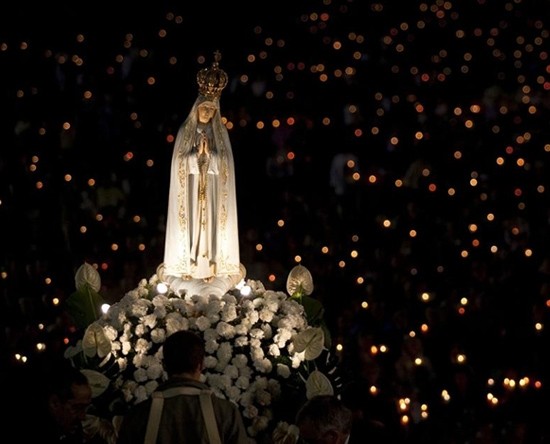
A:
(202, 239)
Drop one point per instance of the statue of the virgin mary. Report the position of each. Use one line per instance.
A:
(201, 251)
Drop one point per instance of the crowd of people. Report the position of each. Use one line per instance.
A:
(398, 152)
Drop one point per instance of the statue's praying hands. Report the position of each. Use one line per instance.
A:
(203, 144)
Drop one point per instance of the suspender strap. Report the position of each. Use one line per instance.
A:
(154, 418)
(209, 418)
(155, 413)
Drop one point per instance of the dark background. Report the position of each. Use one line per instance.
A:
(414, 68)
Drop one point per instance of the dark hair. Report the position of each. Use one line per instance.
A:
(183, 352)
(325, 413)
(61, 378)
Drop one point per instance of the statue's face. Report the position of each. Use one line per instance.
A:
(206, 112)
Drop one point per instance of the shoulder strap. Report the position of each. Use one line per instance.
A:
(209, 417)
(157, 402)
(155, 412)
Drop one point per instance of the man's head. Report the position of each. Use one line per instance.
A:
(69, 395)
(324, 419)
(184, 354)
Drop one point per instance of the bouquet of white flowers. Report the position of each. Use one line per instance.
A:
(261, 347)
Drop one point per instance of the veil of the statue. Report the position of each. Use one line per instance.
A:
(217, 200)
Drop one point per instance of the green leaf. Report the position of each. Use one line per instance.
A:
(328, 336)
(314, 310)
(315, 313)
(84, 306)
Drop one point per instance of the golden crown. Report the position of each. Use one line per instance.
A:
(212, 80)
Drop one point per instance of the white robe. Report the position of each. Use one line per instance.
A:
(202, 239)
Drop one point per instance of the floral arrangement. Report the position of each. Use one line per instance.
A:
(267, 351)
